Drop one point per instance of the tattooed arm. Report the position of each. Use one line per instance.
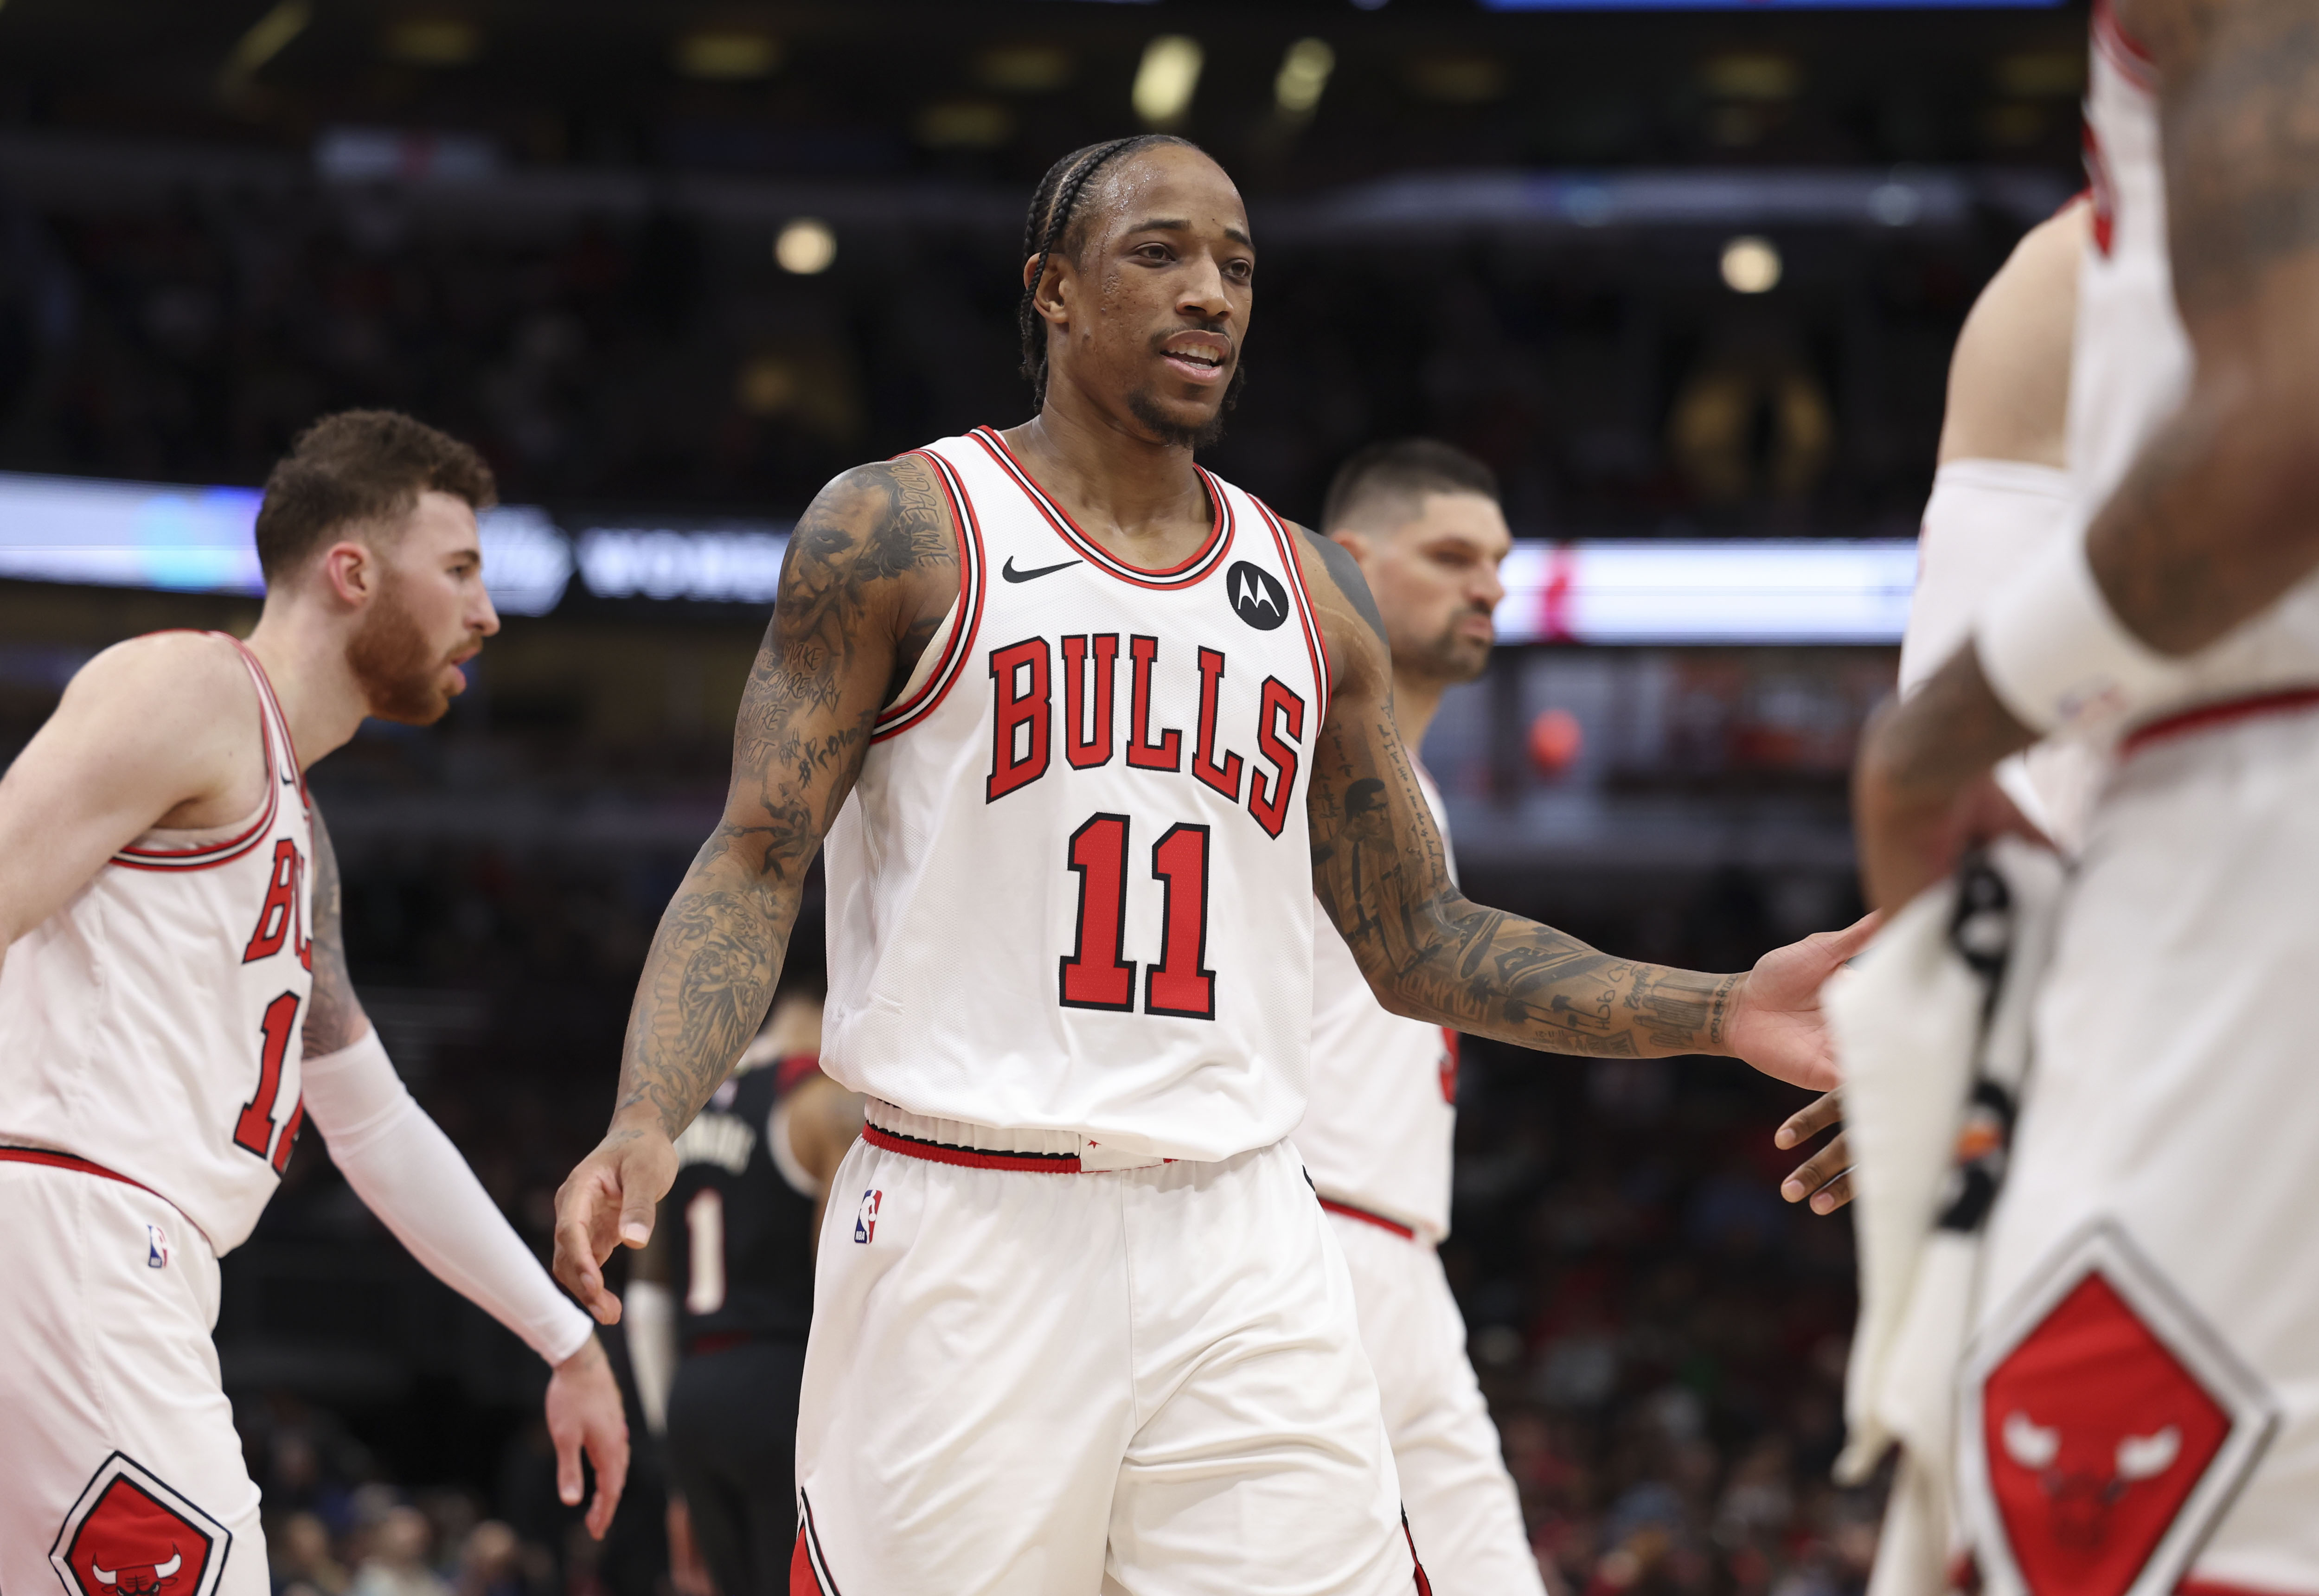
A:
(871, 570)
(334, 1015)
(1432, 954)
(2213, 521)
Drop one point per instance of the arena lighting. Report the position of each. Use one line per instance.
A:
(1751, 265)
(1304, 73)
(1741, 590)
(197, 540)
(805, 247)
(1166, 79)
(1734, 591)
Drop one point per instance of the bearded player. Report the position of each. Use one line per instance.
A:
(1085, 730)
(1422, 522)
(174, 1005)
(2142, 1406)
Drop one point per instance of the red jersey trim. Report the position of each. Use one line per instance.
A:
(974, 579)
(48, 1158)
(1315, 644)
(2209, 716)
(1366, 1216)
(2125, 52)
(1204, 560)
(971, 1158)
(232, 848)
(809, 1565)
(281, 721)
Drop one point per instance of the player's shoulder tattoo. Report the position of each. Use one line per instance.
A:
(1345, 572)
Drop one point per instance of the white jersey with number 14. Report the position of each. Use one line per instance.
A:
(153, 1025)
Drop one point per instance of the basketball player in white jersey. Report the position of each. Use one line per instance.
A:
(1422, 520)
(2002, 493)
(1085, 729)
(173, 1005)
(2139, 1410)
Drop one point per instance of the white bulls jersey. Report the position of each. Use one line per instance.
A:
(153, 1025)
(1385, 1089)
(2132, 362)
(1073, 889)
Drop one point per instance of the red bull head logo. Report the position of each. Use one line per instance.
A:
(131, 1536)
(2111, 1433)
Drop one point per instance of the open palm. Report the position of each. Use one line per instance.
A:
(1777, 1024)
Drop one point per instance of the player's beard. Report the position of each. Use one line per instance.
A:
(394, 662)
(1144, 406)
(1454, 656)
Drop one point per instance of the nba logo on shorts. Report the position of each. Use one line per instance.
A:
(157, 1247)
(865, 1219)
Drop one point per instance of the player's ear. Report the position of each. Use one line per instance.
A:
(1047, 293)
(350, 571)
(1356, 544)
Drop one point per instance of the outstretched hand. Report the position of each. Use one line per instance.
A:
(1826, 1176)
(1776, 1021)
(608, 1202)
(584, 1414)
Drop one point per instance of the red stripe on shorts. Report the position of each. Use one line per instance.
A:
(61, 1160)
(1363, 1214)
(2207, 716)
(971, 1158)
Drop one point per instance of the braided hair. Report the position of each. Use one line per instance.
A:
(1049, 227)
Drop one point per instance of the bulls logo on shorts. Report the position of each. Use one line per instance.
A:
(2108, 1428)
(130, 1535)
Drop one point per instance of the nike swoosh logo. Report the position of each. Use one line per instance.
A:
(1011, 574)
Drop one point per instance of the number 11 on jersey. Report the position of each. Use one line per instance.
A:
(1094, 974)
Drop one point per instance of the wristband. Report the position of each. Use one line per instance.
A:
(2055, 654)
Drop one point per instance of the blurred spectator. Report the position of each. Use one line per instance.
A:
(397, 1564)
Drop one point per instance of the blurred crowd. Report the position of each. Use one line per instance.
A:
(1614, 381)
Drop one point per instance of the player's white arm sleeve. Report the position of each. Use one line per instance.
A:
(648, 1313)
(402, 1165)
(1985, 521)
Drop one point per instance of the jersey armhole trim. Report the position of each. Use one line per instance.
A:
(966, 614)
(209, 857)
(2125, 52)
(1316, 645)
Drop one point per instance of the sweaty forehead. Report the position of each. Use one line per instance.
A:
(1164, 183)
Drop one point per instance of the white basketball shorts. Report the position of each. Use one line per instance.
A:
(2142, 1400)
(1464, 1510)
(1029, 1379)
(120, 1473)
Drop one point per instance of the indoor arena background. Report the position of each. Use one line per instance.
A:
(1687, 278)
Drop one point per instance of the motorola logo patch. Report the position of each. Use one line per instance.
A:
(1256, 596)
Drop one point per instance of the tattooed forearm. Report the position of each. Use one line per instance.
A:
(334, 1015)
(870, 572)
(1434, 955)
(1381, 875)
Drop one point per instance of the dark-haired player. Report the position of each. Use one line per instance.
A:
(1085, 729)
(174, 1004)
(1422, 521)
(718, 1305)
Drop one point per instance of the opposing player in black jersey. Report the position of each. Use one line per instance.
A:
(718, 1304)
